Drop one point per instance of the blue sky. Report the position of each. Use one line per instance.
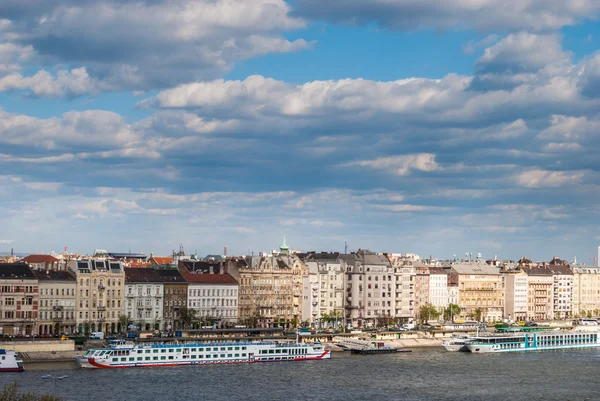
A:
(399, 126)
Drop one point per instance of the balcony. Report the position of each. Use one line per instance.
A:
(351, 307)
(101, 308)
(57, 308)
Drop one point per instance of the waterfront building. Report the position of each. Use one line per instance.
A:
(144, 293)
(174, 298)
(516, 295)
(100, 294)
(270, 288)
(562, 288)
(421, 286)
(438, 288)
(330, 284)
(404, 277)
(311, 311)
(214, 297)
(370, 288)
(480, 288)
(540, 292)
(56, 294)
(18, 299)
(586, 291)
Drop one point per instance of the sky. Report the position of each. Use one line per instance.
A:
(429, 127)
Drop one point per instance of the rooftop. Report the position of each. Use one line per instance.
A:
(16, 271)
(40, 259)
(53, 275)
(210, 279)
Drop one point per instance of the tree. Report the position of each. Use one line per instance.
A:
(123, 321)
(452, 310)
(187, 316)
(337, 315)
(477, 314)
(428, 312)
(11, 392)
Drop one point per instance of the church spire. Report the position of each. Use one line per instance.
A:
(284, 248)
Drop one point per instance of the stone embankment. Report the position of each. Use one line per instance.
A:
(51, 356)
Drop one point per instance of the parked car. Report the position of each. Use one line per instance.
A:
(531, 324)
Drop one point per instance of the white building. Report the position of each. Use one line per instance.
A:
(310, 294)
(516, 295)
(144, 294)
(438, 288)
(404, 273)
(214, 297)
(563, 288)
(586, 291)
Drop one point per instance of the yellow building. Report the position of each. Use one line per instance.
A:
(586, 291)
(270, 289)
(100, 295)
(56, 302)
(480, 289)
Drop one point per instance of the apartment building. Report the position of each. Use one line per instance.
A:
(540, 280)
(404, 274)
(586, 291)
(516, 295)
(562, 290)
(370, 288)
(56, 293)
(438, 288)
(174, 298)
(144, 294)
(480, 289)
(18, 299)
(214, 297)
(100, 295)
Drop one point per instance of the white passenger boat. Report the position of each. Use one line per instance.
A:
(458, 343)
(535, 341)
(10, 361)
(201, 354)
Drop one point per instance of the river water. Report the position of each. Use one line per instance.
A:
(424, 374)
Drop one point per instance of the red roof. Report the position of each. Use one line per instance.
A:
(40, 259)
(210, 279)
(160, 260)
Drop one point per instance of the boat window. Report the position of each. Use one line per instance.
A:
(228, 355)
(243, 355)
(163, 358)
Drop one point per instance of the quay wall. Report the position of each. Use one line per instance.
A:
(38, 346)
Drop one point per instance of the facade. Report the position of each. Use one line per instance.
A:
(214, 297)
(56, 302)
(18, 299)
(405, 274)
(331, 286)
(144, 293)
(516, 295)
(480, 288)
(100, 295)
(586, 291)
(270, 289)
(421, 286)
(438, 288)
(174, 298)
(311, 295)
(562, 289)
(370, 288)
(540, 303)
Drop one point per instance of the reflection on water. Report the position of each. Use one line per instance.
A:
(423, 375)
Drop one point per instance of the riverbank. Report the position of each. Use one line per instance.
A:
(404, 343)
(43, 357)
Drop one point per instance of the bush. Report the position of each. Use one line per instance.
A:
(11, 393)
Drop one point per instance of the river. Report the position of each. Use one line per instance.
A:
(422, 375)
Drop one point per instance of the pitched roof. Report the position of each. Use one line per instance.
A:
(162, 260)
(40, 259)
(141, 275)
(15, 271)
(536, 271)
(475, 268)
(170, 276)
(210, 279)
(53, 275)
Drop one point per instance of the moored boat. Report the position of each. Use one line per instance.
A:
(10, 361)
(457, 344)
(201, 354)
(536, 341)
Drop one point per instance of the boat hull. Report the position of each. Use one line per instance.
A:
(12, 370)
(486, 349)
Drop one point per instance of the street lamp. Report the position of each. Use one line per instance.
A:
(54, 378)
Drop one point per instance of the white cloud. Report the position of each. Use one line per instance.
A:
(65, 83)
(401, 165)
(548, 179)
(562, 147)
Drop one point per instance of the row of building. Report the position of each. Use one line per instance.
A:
(45, 295)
